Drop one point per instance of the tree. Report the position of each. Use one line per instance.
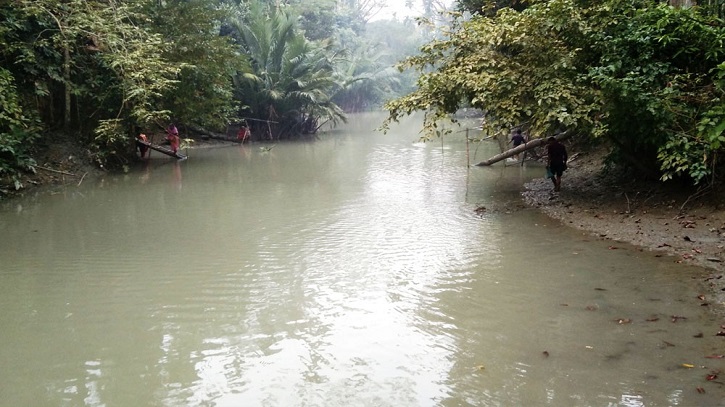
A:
(489, 7)
(202, 93)
(641, 74)
(366, 79)
(88, 60)
(319, 19)
(516, 67)
(362, 9)
(17, 133)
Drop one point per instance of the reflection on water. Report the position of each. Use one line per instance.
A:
(352, 270)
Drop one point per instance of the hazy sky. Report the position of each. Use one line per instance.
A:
(398, 7)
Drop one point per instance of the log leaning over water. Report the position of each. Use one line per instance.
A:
(223, 138)
(212, 135)
(520, 149)
(161, 149)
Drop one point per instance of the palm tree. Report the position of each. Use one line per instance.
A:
(366, 79)
(287, 90)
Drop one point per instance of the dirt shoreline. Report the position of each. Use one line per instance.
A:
(654, 217)
(64, 163)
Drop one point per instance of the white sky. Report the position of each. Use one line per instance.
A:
(398, 7)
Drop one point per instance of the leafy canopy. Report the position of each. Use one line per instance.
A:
(643, 75)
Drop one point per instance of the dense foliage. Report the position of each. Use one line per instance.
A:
(98, 72)
(16, 132)
(646, 76)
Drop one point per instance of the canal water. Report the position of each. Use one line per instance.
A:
(360, 269)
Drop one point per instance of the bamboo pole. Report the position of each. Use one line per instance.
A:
(468, 152)
(162, 149)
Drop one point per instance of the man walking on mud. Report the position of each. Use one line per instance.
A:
(556, 158)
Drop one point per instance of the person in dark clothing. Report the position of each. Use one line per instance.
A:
(517, 139)
(556, 158)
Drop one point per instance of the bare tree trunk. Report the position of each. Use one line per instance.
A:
(682, 3)
(66, 77)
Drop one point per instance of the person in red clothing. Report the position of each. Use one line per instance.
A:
(556, 158)
(172, 135)
(243, 133)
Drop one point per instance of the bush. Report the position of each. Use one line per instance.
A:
(18, 133)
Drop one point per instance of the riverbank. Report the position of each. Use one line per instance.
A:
(65, 164)
(59, 164)
(655, 217)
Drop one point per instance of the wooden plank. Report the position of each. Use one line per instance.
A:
(162, 150)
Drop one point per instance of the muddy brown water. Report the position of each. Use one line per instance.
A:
(353, 270)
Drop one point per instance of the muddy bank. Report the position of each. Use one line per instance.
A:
(654, 217)
(64, 163)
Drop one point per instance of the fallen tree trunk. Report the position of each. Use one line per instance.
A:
(212, 135)
(520, 149)
(223, 138)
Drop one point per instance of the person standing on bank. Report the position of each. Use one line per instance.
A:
(556, 158)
